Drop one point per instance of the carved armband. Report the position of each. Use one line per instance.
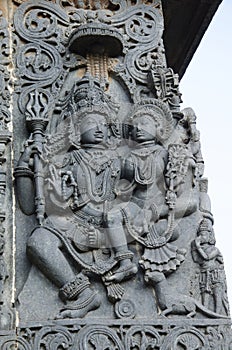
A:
(21, 171)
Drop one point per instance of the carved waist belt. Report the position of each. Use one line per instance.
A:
(90, 216)
(209, 278)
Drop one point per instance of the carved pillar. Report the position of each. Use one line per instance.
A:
(106, 230)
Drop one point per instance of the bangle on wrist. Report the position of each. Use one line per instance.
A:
(23, 171)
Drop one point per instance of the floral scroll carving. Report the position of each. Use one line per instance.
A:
(99, 337)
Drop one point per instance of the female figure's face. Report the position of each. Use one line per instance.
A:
(143, 129)
(93, 129)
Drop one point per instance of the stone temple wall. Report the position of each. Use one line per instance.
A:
(106, 229)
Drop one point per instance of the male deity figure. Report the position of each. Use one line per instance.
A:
(81, 186)
(212, 280)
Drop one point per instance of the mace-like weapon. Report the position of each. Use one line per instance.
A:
(37, 119)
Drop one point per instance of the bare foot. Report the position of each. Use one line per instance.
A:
(79, 308)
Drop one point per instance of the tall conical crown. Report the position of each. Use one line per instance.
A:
(87, 96)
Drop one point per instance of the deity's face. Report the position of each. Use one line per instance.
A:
(204, 236)
(93, 129)
(143, 129)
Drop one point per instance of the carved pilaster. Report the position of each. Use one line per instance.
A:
(6, 235)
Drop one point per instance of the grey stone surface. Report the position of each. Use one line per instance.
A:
(113, 245)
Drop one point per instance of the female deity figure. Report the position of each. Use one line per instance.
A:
(156, 200)
(147, 216)
(150, 127)
(81, 186)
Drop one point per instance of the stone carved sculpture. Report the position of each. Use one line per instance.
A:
(80, 186)
(110, 191)
(212, 276)
(151, 125)
(6, 263)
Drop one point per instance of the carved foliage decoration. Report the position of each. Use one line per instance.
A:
(99, 338)
(53, 338)
(5, 137)
(219, 337)
(44, 60)
(4, 74)
(142, 338)
(9, 343)
(112, 5)
(143, 31)
(144, 28)
(124, 337)
(185, 338)
(40, 60)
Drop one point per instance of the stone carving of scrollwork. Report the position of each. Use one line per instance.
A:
(8, 343)
(113, 5)
(50, 338)
(40, 60)
(41, 63)
(4, 75)
(142, 338)
(124, 337)
(6, 316)
(187, 338)
(216, 338)
(143, 27)
(219, 337)
(99, 338)
(85, 4)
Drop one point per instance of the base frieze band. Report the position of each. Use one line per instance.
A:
(96, 334)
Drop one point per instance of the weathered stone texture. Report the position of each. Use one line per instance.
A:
(106, 229)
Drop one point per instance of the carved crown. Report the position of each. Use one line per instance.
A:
(205, 225)
(160, 112)
(87, 96)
